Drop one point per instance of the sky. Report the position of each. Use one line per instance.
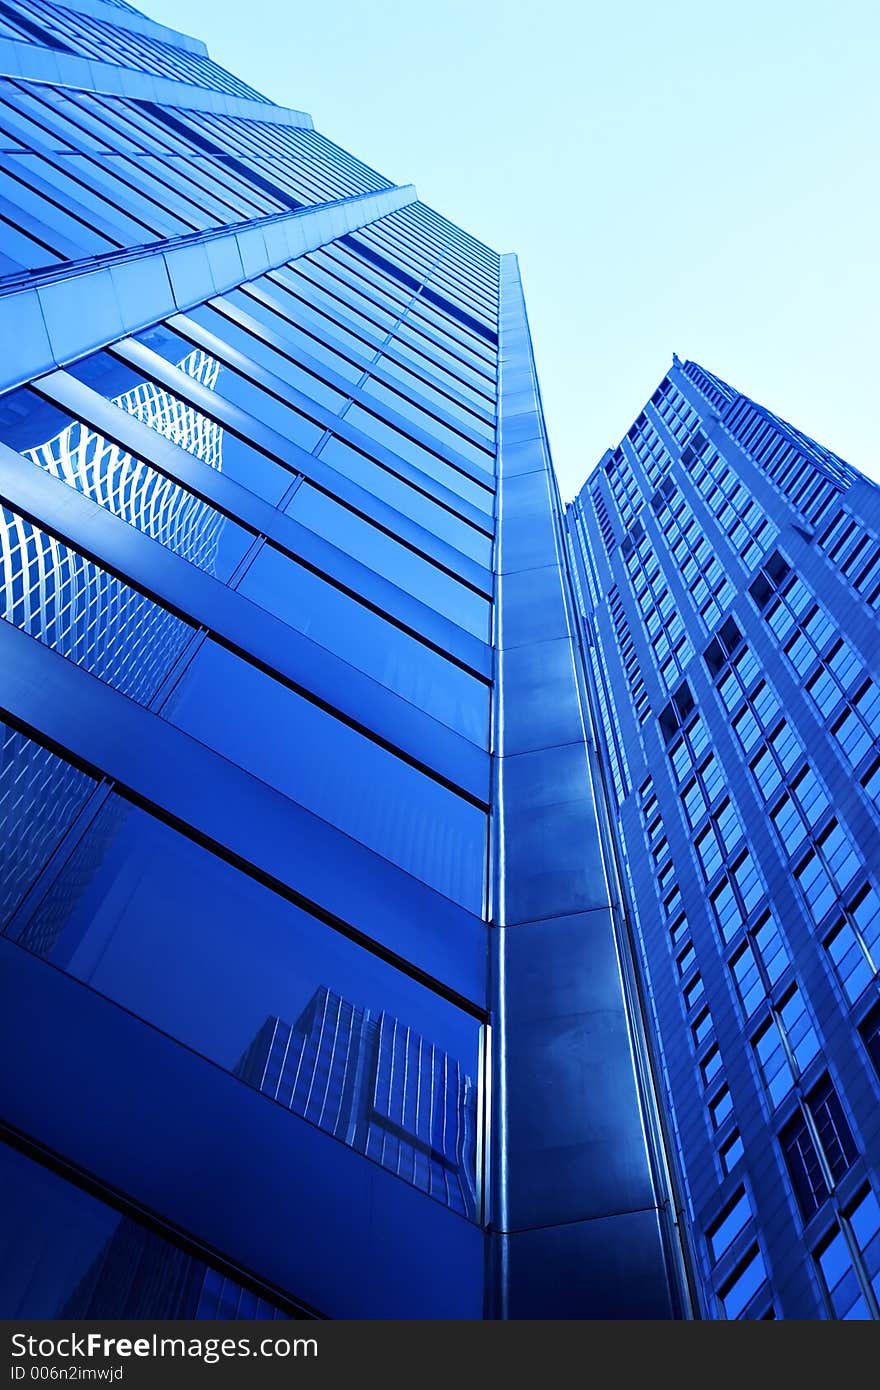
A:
(691, 177)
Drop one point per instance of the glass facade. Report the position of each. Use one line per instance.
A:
(331, 745)
(726, 569)
(301, 866)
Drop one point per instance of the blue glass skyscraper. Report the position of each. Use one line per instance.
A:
(728, 570)
(416, 900)
(316, 994)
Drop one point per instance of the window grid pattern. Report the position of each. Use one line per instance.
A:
(650, 450)
(676, 412)
(818, 1147)
(854, 550)
(663, 624)
(785, 1045)
(809, 476)
(631, 664)
(747, 526)
(848, 1261)
(95, 38)
(624, 489)
(700, 568)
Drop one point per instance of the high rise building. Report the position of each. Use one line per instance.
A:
(728, 571)
(296, 746)
(414, 901)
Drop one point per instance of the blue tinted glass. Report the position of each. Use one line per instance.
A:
(65, 1254)
(392, 560)
(423, 459)
(439, 392)
(233, 387)
(333, 771)
(300, 326)
(427, 513)
(40, 796)
(744, 1286)
(260, 352)
(121, 483)
(443, 432)
(172, 416)
(84, 612)
(369, 642)
(163, 927)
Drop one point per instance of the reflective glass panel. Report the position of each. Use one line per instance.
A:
(332, 770)
(315, 1022)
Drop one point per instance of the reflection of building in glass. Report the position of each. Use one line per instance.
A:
(378, 1086)
(87, 613)
(39, 797)
(130, 488)
(68, 602)
(138, 1274)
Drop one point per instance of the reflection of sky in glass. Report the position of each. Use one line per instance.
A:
(208, 955)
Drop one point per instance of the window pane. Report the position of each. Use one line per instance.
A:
(66, 1254)
(333, 771)
(84, 612)
(371, 643)
(121, 483)
(172, 416)
(394, 561)
(163, 926)
(40, 795)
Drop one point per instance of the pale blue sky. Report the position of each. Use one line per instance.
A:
(682, 176)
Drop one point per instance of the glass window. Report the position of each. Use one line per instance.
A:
(720, 1107)
(864, 1218)
(727, 1228)
(373, 644)
(123, 484)
(324, 337)
(84, 612)
(66, 1254)
(422, 458)
(256, 350)
(391, 559)
(732, 1151)
(840, 1279)
(804, 1167)
(314, 1022)
(234, 388)
(40, 796)
(447, 436)
(434, 516)
(739, 1292)
(335, 772)
(174, 417)
(775, 1069)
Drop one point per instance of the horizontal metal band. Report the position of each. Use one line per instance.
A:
(356, 890)
(136, 23)
(244, 627)
(29, 62)
(320, 555)
(87, 304)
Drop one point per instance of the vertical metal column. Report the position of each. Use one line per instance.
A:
(575, 1218)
